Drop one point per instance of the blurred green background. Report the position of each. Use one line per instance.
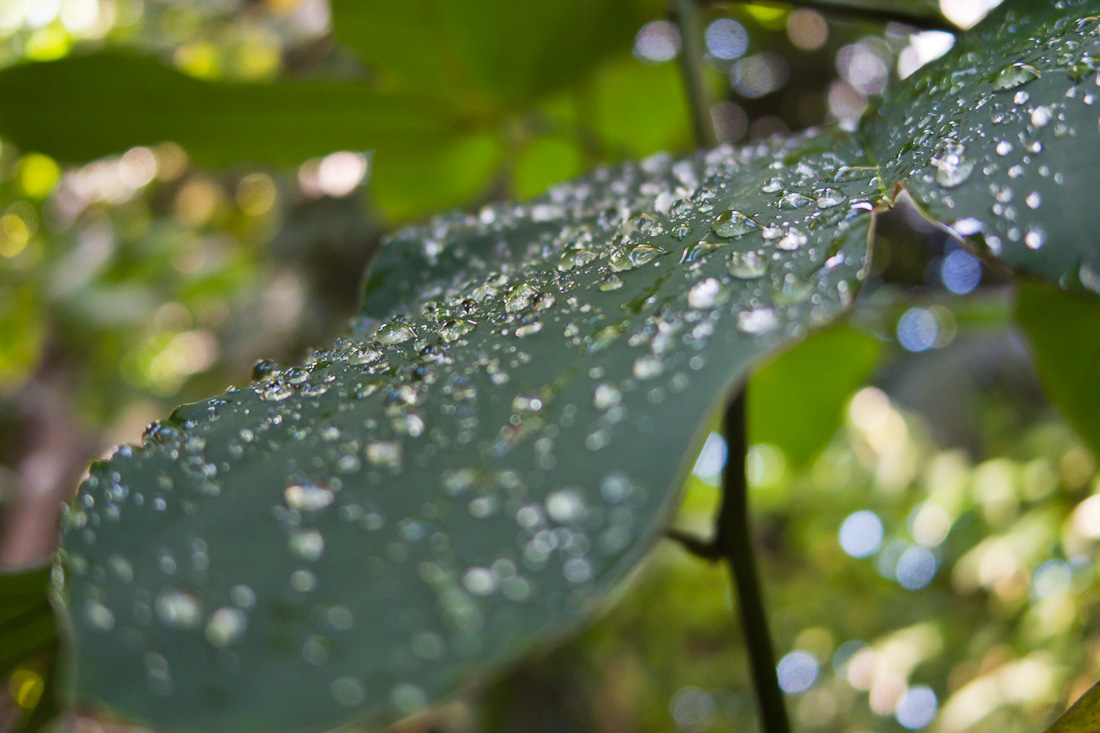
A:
(927, 523)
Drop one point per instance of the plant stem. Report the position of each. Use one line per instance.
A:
(733, 541)
(861, 14)
(686, 15)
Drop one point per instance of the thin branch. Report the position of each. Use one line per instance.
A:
(858, 14)
(686, 15)
(733, 540)
(697, 546)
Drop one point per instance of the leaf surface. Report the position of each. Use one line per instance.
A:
(496, 445)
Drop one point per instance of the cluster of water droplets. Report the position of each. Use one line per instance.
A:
(492, 447)
(1001, 141)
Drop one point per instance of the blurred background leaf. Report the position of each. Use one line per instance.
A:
(1063, 331)
(796, 400)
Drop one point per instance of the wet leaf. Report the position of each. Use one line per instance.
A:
(83, 107)
(796, 400)
(1064, 333)
(998, 139)
(495, 446)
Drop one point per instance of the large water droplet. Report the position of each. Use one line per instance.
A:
(733, 223)
(631, 256)
(1014, 75)
(747, 265)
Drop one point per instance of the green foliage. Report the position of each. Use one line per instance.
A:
(501, 438)
(809, 383)
(1064, 333)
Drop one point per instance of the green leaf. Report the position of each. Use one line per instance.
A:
(1082, 717)
(1064, 333)
(83, 107)
(489, 56)
(494, 448)
(796, 400)
(27, 625)
(999, 141)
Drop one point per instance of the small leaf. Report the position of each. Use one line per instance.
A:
(1064, 333)
(1082, 717)
(796, 400)
(83, 107)
(998, 139)
(494, 448)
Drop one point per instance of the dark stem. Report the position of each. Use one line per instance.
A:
(686, 15)
(861, 14)
(733, 541)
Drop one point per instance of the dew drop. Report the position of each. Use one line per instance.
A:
(747, 265)
(1014, 75)
(733, 223)
(226, 625)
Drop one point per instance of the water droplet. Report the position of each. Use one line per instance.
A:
(757, 321)
(1035, 237)
(575, 258)
(394, 332)
(308, 497)
(733, 223)
(610, 282)
(706, 293)
(99, 616)
(699, 250)
(307, 544)
(385, 453)
(792, 239)
(566, 506)
(275, 390)
(829, 197)
(178, 609)
(1014, 75)
(747, 265)
(226, 625)
(264, 369)
(952, 167)
(794, 201)
(630, 257)
(347, 691)
(648, 367)
(519, 298)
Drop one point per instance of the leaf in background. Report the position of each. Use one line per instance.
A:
(488, 56)
(998, 139)
(410, 180)
(28, 634)
(545, 161)
(84, 107)
(1064, 333)
(797, 399)
(1082, 717)
(496, 446)
(626, 114)
(911, 8)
